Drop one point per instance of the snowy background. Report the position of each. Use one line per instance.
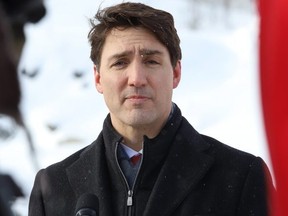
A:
(218, 94)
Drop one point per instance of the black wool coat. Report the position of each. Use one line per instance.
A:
(182, 173)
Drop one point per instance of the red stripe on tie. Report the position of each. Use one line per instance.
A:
(134, 159)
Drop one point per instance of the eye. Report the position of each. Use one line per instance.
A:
(119, 64)
(152, 62)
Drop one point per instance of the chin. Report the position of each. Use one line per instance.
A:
(141, 119)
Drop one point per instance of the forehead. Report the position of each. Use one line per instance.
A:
(135, 39)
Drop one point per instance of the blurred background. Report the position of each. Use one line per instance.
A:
(59, 110)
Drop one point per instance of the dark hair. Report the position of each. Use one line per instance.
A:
(160, 23)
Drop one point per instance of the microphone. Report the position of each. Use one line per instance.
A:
(87, 205)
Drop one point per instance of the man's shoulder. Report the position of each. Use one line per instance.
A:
(215, 147)
(68, 161)
(226, 154)
(221, 147)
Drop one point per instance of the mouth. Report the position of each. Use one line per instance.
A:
(137, 98)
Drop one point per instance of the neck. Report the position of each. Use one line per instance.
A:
(133, 134)
(133, 137)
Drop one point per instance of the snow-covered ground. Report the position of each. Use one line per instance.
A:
(218, 94)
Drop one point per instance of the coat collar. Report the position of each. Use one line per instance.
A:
(185, 165)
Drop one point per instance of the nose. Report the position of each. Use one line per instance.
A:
(137, 76)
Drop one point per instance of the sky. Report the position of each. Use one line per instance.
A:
(218, 94)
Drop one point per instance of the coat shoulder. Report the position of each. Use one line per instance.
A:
(62, 165)
(230, 156)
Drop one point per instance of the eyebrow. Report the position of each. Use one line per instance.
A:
(149, 52)
(144, 52)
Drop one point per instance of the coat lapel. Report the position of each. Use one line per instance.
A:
(89, 175)
(186, 165)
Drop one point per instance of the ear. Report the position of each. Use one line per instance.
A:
(97, 79)
(177, 74)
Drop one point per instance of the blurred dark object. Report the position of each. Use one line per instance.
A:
(7, 127)
(30, 74)
(78, 74)
(10, 93)
(9, 192)
(18, 13)
(5, 209)
(23, 11)
(14, 14)
(9, 188)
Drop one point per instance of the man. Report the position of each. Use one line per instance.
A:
(137, 64)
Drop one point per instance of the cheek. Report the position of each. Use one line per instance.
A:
(109, 96)
(108, 90)
(163, 87)
(111, 87)
(168, 86)
(167, 82)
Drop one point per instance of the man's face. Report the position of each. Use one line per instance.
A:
(136, 78)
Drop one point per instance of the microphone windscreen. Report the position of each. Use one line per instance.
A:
(87, 201)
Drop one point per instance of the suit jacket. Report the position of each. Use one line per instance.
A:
(182, 173)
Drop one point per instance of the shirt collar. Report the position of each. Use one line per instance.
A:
(129, 151)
